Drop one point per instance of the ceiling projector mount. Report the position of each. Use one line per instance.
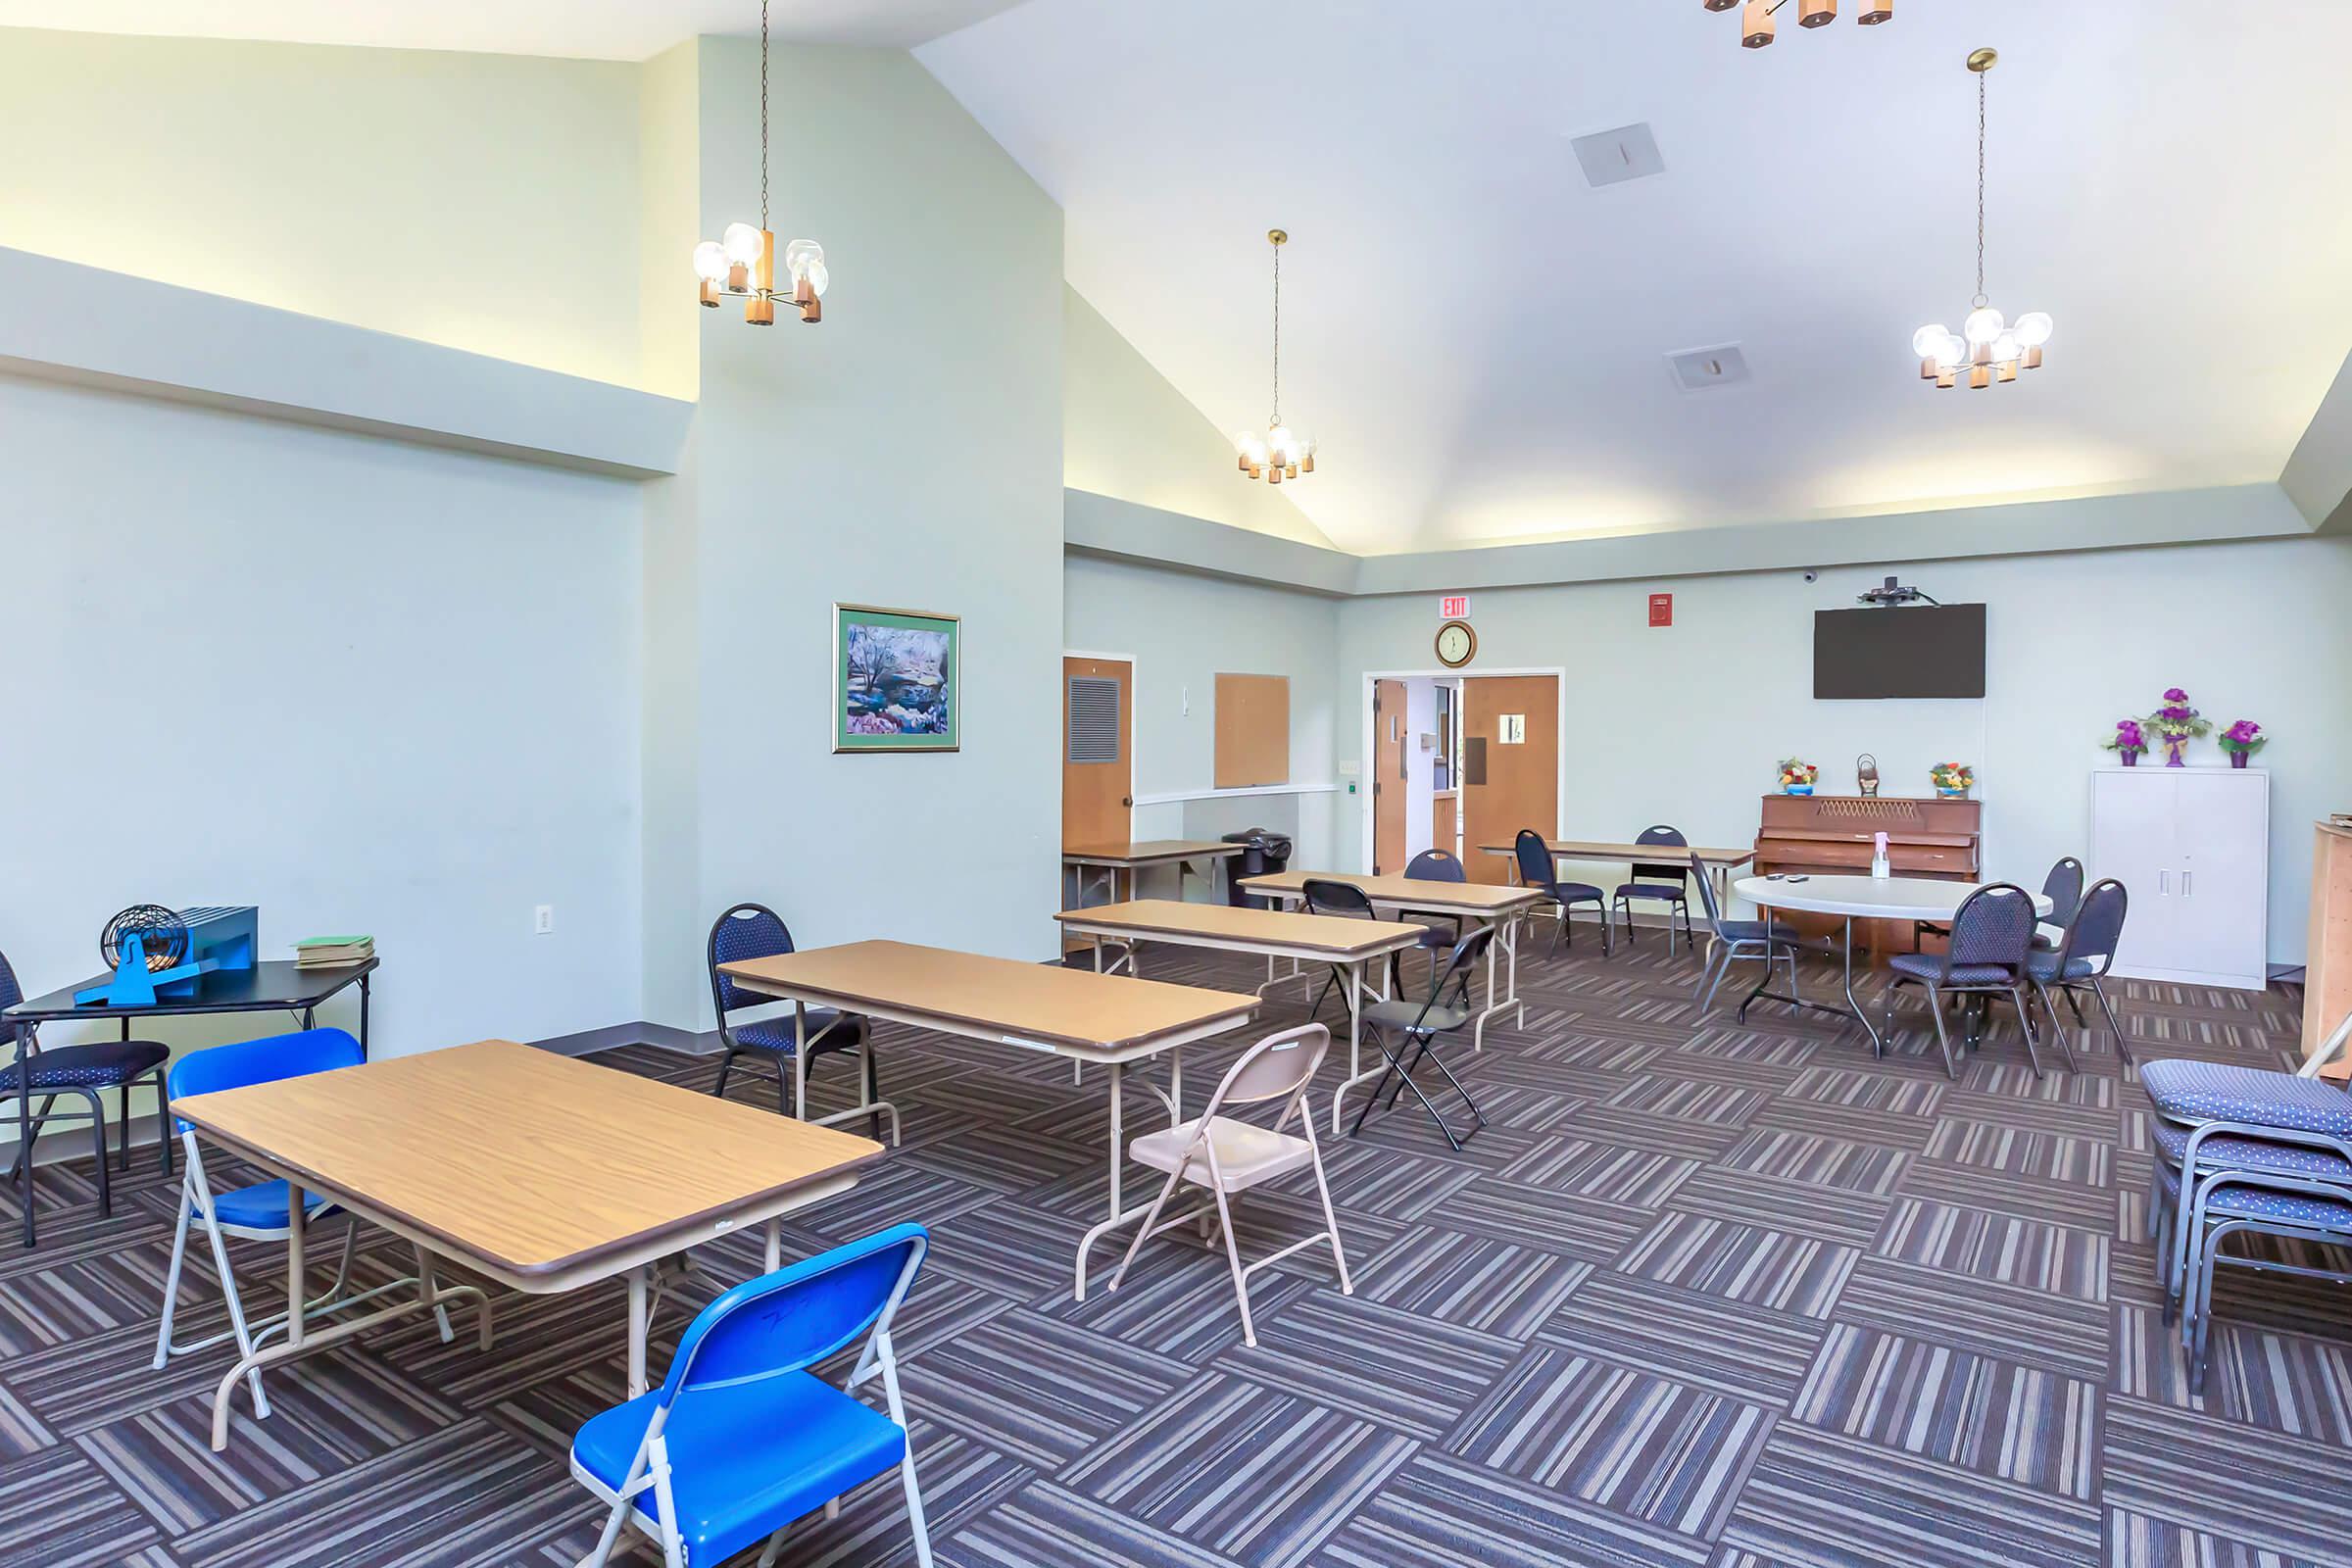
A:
(1894, 593)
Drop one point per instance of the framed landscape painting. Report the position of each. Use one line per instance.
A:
(898, 673)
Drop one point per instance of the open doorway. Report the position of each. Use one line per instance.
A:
(1458, 762)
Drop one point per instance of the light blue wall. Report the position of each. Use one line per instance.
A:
(1683, 724)
(905, 453)
(1182, 630)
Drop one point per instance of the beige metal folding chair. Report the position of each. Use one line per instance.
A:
(1228, 1155)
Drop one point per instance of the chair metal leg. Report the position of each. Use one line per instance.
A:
(1711, 975)
(106, 1186)
(24, 1141)
(179, 1255)
(1233, 1259)
(726, 1065)
(2097, 990)
(1943, 1039)
(1339, 1255)
(2025, 1024)
(917, 1524)
(2076, 1007)
(163, 1117)
(228, 1288)
(784, 1100)
(873, 1084)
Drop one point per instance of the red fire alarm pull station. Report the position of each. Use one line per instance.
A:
(1454, 607)
(1661, 610)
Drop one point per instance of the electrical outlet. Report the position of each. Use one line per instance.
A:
(543, 921)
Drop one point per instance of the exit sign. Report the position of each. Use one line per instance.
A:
(1454, 607)
(1661, 610)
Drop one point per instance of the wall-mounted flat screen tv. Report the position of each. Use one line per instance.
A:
(1905, 651)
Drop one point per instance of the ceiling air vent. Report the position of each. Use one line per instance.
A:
(1703, 369)
(1613, 157)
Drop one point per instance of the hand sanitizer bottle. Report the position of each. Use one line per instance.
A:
(1877, 857)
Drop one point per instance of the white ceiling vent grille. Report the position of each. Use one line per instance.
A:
(1094, 720)
(1704, 370)
(1613, 157)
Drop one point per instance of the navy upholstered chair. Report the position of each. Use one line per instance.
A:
(2240, 1149)
(1539, 871)
(1664, 882)
(2081, 960)
(1438, 933)
(1991, 935)
(2063, 887)
(756, 931)
(1416, 1025)
(83, 1072)
(1770, 942)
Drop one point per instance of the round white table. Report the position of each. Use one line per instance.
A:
(1851, 898)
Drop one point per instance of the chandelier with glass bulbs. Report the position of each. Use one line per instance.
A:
(1275, 453)
(1757, 24)
(1988, 347)
(741, 263)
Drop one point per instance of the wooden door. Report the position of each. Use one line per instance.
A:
(1509, 781)
(1388, 775)
(1098, 765)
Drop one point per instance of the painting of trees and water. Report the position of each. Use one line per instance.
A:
(897, 680)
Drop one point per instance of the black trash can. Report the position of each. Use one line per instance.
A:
(1264, 853)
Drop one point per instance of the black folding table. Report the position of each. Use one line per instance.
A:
(276, 985)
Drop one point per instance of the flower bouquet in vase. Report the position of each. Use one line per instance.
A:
(2176, 724)
(1952, 780)
(2242, 739)
(1797, 775)
(2127, 743)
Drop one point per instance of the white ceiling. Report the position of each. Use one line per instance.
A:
(597, 30)
(1478, 337)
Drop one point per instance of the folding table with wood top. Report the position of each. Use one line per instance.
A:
(1116, 860)
(537, 1171)
(1477, 903)
(1104, 1018)
(1348, 948)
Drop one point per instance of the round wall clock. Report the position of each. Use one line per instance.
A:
(1458, 644)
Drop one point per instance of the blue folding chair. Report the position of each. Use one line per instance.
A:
(258, 1212)
(741, 1439)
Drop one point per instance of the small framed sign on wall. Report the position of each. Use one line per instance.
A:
(898, 675)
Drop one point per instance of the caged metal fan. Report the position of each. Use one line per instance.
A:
(146, 932)
(157, 951)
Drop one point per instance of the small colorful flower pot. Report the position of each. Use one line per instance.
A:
(1796, 789)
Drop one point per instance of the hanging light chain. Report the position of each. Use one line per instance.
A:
(764, 114)
(1980, 295)
(1277, 419)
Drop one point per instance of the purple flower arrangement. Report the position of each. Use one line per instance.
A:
(2126, 740)
(2176, 724)
(2242, 739)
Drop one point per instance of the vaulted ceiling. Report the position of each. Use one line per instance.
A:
(596, 30)
(1477, 336)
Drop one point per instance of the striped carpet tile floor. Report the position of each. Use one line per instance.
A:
(1703, 1293)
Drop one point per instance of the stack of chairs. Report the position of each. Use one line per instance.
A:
(2241, 1149)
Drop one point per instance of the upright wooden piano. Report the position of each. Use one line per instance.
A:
(1831, 835)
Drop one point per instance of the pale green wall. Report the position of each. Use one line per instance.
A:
(905, 453)
(1128, 434)
(485, 202)
(1183, 631)
(1683, 724)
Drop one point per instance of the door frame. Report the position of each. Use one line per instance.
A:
(1367, 740)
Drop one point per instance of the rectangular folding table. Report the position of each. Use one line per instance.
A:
(1478, 903)
(1311, 942)
(537, 1171)
(1115, 863)
(1113, 1021)
(1719, 862)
